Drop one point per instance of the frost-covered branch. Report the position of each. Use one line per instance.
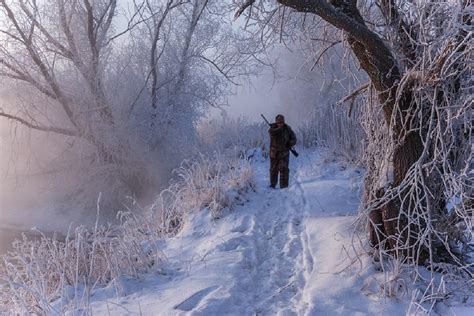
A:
(43, 128)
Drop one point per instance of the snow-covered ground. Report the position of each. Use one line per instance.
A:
(282, 252)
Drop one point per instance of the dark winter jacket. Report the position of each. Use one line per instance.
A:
(281, 139)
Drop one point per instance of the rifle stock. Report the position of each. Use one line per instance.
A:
(294, 152)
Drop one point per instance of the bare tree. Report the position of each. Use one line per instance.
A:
(124, 87)
(406, 51)
(36, 57)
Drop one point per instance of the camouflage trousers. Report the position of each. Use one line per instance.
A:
(279, 166)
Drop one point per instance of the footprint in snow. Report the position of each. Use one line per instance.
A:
(191, 302)
(233, 244)
(248, 222)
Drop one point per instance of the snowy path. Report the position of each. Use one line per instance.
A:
(280, 253)
(272, 268)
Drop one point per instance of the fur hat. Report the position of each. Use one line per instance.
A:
(280, 118)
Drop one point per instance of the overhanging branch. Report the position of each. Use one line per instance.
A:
(51, 129)
(353, 94)
(243, 7)
(219, 69)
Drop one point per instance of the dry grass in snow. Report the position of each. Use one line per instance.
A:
(48, 275)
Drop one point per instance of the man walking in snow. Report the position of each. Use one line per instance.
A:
(282, 138)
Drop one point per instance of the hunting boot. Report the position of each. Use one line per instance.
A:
(273, 179)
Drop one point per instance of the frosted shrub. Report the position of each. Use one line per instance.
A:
(39, 272)
(335, 128)
(233, 136)
(209, 181)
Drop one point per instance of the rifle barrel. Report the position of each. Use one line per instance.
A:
(265, 119)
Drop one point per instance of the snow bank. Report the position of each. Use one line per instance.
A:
(273, 252)
(282, 252)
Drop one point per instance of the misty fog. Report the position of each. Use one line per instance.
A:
(135, 166)
(51, 180)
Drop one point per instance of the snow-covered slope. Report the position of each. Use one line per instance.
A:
(283, 251)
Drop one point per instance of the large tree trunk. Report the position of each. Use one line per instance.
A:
(395, 224)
